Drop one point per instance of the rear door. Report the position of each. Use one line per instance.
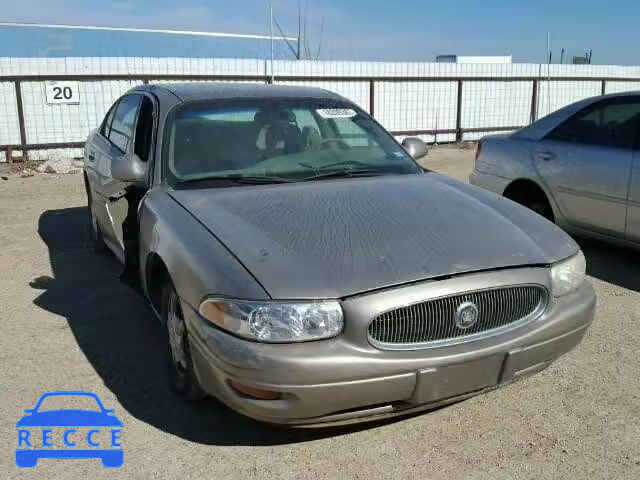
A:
(96, 144)
(111, 192)
(586, 164)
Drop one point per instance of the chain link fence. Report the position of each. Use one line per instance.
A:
(437, 102)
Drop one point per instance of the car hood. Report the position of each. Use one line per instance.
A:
(336, 238)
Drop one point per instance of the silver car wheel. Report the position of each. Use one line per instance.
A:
(177, 336)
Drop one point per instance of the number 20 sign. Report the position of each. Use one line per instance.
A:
(62, 92)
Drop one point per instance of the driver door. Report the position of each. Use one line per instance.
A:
(116, 144)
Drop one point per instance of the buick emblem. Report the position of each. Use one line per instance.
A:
(466, 315)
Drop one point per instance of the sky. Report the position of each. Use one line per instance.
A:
(400, 30)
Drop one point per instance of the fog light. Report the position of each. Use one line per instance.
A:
(253, 392)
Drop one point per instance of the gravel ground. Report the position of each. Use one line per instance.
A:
(69, 323)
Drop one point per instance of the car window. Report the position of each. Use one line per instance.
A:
(124, 121)
(144, 130)
(65, 402)
(613, 123)
(288, 138)
(105, 128)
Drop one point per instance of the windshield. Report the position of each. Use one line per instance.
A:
(278, 140)
(64, 402)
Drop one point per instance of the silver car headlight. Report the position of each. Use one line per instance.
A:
(275, 322)
(568, 275)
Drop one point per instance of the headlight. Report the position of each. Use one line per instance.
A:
(275, 322)
(566, 276)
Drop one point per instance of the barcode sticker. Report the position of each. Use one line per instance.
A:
(336, 112)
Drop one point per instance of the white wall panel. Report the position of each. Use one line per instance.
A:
(68, 123)
(557, 94)
(617, 87)
(357, 92)
(496, 104)
(9, 128)
(399, 106)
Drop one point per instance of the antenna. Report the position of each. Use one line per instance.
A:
(548, 72)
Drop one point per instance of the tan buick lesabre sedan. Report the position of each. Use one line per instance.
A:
(306, 270)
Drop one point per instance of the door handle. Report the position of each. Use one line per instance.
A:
(92, 156)
(546, 156)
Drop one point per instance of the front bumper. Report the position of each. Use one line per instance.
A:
(346, 378)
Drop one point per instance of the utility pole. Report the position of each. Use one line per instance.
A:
(271, 35)
(299, 29)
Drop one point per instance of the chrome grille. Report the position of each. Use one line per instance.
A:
(433, 322)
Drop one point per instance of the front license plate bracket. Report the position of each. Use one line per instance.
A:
(449, 381)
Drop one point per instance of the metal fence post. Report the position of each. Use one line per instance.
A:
(372, 98)
(534, 102)
(603, 87)
(459, 114)
(23, 132)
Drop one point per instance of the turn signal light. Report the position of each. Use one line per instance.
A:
(253, 392)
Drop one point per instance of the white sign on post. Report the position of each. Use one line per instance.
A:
(62, 93)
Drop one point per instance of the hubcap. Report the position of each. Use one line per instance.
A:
(176, 328)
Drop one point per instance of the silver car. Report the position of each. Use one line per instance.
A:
(306, 270)
(578, 167)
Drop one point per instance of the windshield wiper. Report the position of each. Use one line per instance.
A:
(351, 172)
(234, 178)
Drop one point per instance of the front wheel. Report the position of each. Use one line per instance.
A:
(179, 363)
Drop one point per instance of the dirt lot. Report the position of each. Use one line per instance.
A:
(70, 324)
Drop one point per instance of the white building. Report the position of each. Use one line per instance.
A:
(474, 59)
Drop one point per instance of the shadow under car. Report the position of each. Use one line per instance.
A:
(122, 339)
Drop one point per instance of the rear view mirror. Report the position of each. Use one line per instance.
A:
(415, 147)
(128, 168)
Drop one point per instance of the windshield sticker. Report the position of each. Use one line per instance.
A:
(336, 112)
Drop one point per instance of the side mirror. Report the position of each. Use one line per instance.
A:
(415, 147)
(128, 168)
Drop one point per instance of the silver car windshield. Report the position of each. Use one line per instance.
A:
(277, 140)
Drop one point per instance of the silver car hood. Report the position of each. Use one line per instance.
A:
(336, 238)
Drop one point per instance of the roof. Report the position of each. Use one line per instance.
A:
(211, 90)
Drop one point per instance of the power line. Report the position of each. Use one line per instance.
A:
(293, 50)
(142, 30)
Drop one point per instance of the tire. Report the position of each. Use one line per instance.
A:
(541, 209)
(179, 362)
(532, 197)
